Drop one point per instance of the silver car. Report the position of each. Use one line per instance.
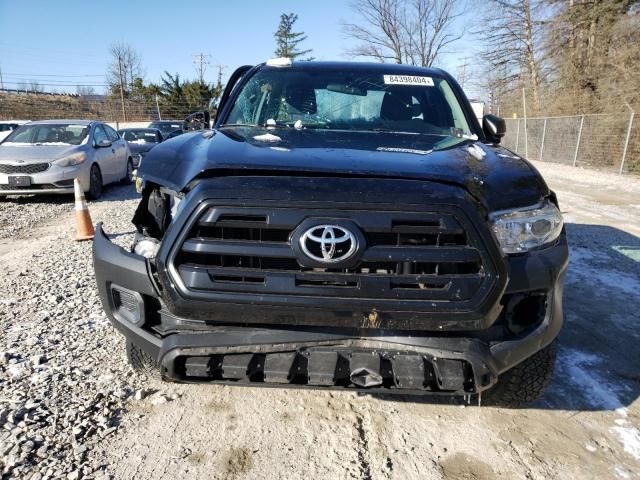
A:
(45, 156)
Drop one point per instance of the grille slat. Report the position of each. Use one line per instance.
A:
(27, 169)
(408, 255)
(250, 249)
(437, 288)
(422, 254)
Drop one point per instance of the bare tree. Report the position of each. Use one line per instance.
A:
(414, 32)
(85, 90)
(35, 87)
(431, 31)
(512, 43)
(125, 66)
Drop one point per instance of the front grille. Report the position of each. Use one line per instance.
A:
(39, 186)
(427, 257)
(26, 169)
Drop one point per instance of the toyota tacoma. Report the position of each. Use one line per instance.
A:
(342, 225)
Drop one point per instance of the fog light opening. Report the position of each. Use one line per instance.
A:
(525, 312)
(127, 305)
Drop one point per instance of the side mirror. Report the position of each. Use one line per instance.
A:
(104, 143)
(494, 128)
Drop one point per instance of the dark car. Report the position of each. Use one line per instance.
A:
(168, 128)
(343, 225)
(141, 141)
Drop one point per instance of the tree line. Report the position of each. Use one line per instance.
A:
(569, 56)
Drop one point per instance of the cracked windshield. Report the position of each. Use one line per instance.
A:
(418, 105)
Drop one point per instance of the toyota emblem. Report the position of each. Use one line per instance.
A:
(328, 243)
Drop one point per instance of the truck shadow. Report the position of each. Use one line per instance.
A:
(598, 354)
(598, 347)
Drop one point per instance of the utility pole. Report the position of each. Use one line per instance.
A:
(124, 113)
(201, 60)
(1, 81)
(220, 70)
(158, 108)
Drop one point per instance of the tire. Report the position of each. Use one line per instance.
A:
(128, 177)
(95, 183)
(524, 383)
(140, 360)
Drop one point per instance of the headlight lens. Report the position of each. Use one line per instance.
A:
(523, 229)
(70, 160)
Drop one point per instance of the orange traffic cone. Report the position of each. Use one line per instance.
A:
(84, 225)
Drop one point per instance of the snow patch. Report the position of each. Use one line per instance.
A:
(580, 367)
(596, 275)
(621, 472)
(267, 137)
(477, 152)
(629, 436)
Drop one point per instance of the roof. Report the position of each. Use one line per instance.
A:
(62, 120)
(363, 66)
(137, 129)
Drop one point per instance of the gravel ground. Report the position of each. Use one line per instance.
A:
(70, 407)
(63, 390)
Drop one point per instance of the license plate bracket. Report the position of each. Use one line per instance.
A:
(19, 181)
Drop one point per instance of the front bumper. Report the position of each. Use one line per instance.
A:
(55, 180)
(452, 363)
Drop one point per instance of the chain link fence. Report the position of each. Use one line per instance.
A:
(602, 141)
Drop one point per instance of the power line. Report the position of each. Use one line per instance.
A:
(20, 82)
(50, 75)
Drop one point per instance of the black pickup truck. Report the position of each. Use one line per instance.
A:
(342, 225)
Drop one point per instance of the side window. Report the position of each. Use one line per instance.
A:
(99, 134)
(23, 136)
(113, 135)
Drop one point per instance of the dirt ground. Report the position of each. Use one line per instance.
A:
(586, 426)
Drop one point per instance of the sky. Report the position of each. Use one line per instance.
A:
(63, 43)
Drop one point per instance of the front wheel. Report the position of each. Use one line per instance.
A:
(95, 183)
(128, 178)
(524, 383)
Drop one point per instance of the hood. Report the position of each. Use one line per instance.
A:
(35, 153)
(495, 176)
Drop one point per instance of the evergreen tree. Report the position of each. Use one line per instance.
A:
(287, 40)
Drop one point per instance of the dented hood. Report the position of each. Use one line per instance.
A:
(495, 176)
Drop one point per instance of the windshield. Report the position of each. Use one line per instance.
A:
(139, 136)
(350, 101)
(49, 134)
(166, 127)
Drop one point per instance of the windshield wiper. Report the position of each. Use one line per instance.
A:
(240, 125)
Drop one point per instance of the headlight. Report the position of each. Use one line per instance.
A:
(74, 159)
(146, 247)
(523, 229)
